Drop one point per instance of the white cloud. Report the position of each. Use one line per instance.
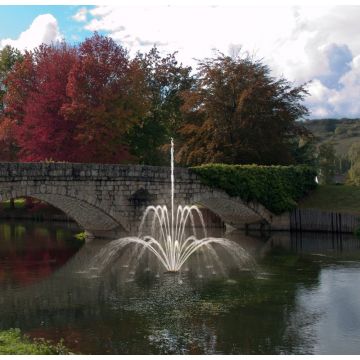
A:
(323, 48)
(81, 15)
(318, 44)
(44, 29)
(193, 31)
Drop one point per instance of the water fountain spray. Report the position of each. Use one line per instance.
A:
(173, 237)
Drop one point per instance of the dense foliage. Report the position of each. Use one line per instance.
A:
(9, 57)
(93, 102)
(278, 188)
(237, 113)
(326, 162)
(165, 81)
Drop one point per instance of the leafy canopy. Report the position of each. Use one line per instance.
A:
(237, 113)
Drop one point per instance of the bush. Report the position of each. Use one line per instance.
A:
(81, 236)
(13, 342)
(278, 188)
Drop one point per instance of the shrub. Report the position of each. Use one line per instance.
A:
(13, 342)
(81, 236)
(278, 188)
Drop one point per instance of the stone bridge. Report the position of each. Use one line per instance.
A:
(108, 200)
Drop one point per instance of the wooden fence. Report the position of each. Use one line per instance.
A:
(316, 220)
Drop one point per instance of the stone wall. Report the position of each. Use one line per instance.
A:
(107, 200)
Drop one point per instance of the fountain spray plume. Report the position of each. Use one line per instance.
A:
(173, 237)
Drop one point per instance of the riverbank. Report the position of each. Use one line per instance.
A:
(328, 208)
(333, 198)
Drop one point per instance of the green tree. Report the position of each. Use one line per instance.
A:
(354, 174)
(164, 81)
(238, 113)
(354, 158)
(326, 162)
(8, 58)
(354, 153)
(303, 150)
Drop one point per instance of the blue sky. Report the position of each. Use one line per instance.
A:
(318, 45)
(17, 18)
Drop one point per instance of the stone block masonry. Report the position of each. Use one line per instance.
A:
(107, 200)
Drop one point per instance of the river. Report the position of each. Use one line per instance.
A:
(303, 297)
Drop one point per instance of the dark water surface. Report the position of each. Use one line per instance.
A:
(303, 297)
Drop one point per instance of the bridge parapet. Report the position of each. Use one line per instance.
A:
(85, 172)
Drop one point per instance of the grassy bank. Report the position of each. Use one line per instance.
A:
(337, 198)
(13, 342)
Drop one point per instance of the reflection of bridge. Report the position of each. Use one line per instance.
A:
(76, 285)
(108, 199)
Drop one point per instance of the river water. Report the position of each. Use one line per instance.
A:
(303, 297)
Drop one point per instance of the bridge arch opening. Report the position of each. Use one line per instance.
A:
(30, 208)
(232, 211)
(211, 218)
(95, 221)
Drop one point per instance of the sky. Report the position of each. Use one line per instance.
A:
(314, 44)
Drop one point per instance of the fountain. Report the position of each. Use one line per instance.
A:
(173, 238)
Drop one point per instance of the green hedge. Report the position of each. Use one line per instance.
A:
(278, 188)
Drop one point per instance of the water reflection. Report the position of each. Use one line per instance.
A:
(30, 252)
(302, 299)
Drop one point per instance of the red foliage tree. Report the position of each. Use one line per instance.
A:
(105, 99)
(74, 103)
(43, 132)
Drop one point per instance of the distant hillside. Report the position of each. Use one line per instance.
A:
(342, 133)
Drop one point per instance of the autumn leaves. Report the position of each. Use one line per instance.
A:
(92, 102)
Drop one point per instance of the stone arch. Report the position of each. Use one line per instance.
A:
(232, 210)
(90, 217)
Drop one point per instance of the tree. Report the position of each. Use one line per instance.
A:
(68, 103)
(165, 80)
(354, 174)
(237, 113)
(8, 145)
(9, 56)
(326, 162)
(105, 100)
(354, 153)
(303, 150)
(37, 93)
(354, 157)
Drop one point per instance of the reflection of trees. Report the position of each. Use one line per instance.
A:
(262, 310)
(195, 316)
(119, 312)
(270, 319)
(29, 252)
(324, 243)
(112, 308)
